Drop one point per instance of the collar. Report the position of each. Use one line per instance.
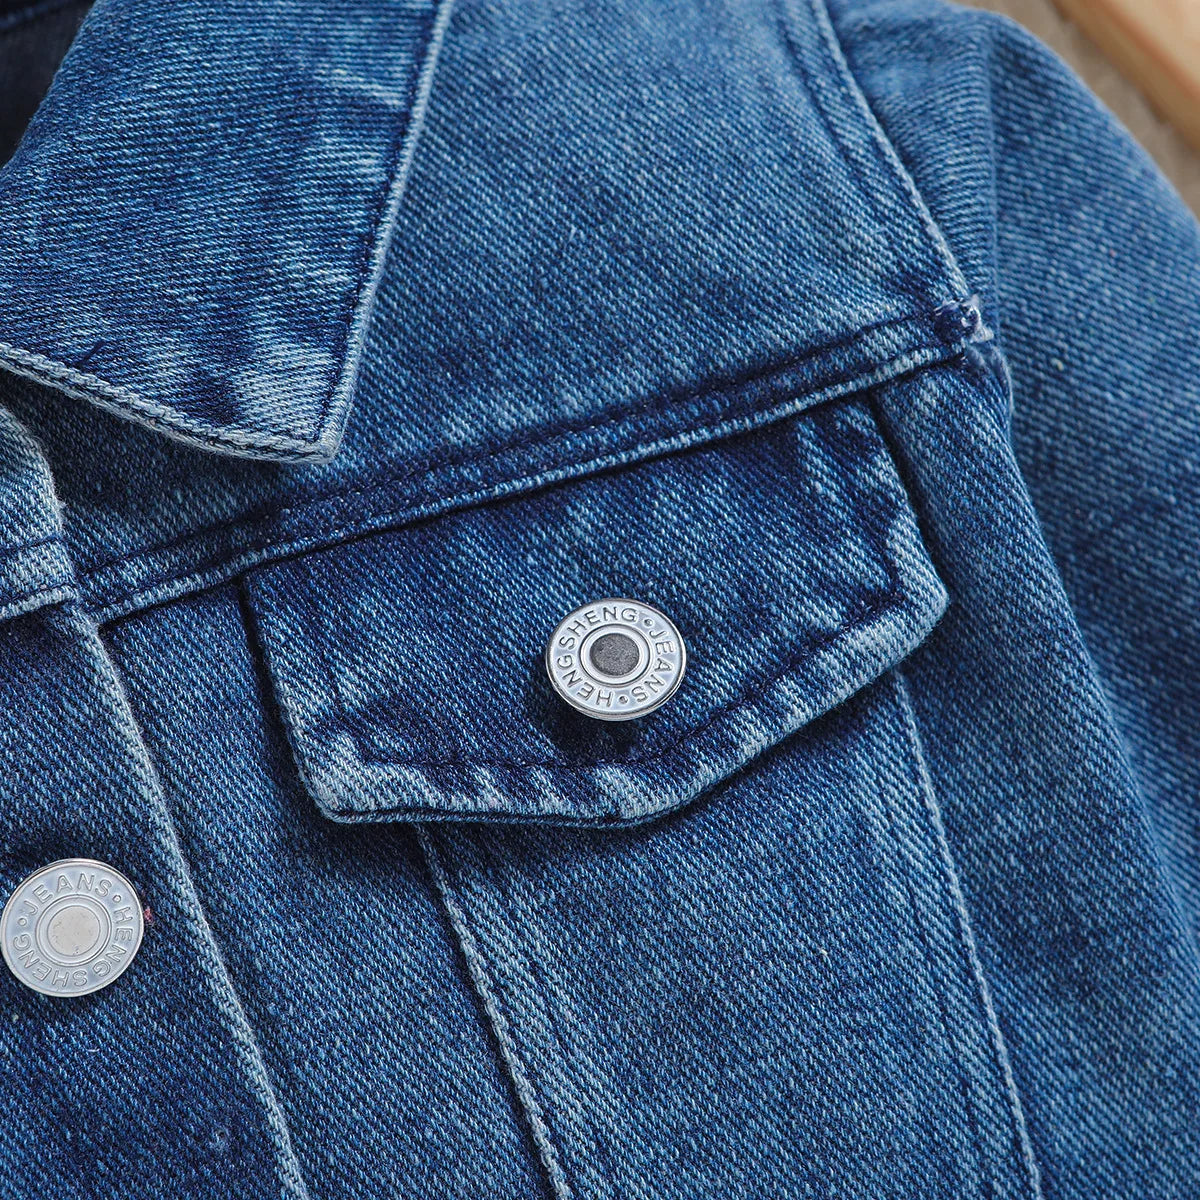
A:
(196, 218)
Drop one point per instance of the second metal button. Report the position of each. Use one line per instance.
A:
(615, 659)
(71, 928)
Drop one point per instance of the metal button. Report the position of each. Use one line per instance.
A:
(71, 928)
(615, 659)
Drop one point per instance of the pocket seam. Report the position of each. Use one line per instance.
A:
(496, 1007)
(970, 982)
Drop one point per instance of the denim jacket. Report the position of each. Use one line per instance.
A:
(347, 346)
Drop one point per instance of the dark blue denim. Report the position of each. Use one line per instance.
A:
(852, 334)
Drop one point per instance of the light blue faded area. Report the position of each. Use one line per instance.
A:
(196, 214)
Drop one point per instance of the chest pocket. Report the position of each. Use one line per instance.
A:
(771, 992)
(409, 664)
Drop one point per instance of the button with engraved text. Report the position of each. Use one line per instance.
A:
(615, 659)
(71, 928)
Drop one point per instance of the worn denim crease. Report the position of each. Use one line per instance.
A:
(967, 942)
(966, 1075)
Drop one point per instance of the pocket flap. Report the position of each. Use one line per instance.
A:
(409, 665)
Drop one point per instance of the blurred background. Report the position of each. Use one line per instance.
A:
(1142, 58)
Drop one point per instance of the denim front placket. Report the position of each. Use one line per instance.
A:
(157, 1076)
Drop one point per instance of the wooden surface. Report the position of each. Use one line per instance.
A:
(1156, 44)
(1178, 160)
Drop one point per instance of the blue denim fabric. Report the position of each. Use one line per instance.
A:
(856, 337)
(757, 545)
(251, 162)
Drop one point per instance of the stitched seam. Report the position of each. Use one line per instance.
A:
(45, 370)
(91, 387)
(565, 1056)
(544, 435)
(966, 943)
(35, 600)
(25, 546)
(383, 222)
(225, 998)
(367, 245)
(246, 436)
(749, 696)
(916, 910)
(707, 426)
(834, 122)
(375, 813)
(288, 545)
(14, 559)
(124, 399)
(881, 148)
(59, 579)
(814, 644)
(497, 1010)
(578, 817)
(852, 487)
(828, 119)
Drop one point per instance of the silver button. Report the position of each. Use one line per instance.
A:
(615, 659)
(71, 928)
